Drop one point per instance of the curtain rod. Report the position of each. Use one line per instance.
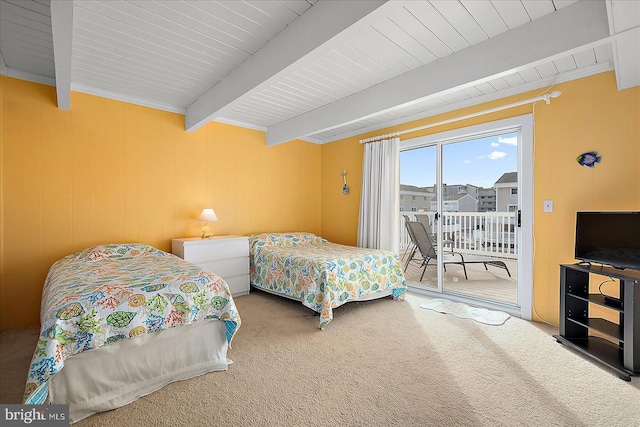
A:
(546, 98)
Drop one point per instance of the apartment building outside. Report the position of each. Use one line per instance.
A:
(415, 199)
(507, 192)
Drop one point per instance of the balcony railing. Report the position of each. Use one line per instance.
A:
(482, 233)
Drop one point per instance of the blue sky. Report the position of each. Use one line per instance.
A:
(479, 162)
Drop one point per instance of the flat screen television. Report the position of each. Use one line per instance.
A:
(610, 238)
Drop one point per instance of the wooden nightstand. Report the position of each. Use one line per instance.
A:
(226, 256)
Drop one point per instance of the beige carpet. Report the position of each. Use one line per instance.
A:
(379, 363)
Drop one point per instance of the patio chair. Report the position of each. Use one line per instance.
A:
(429, 252)
(412, 246)
(424, 219)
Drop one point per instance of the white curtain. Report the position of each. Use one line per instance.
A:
(378, 225)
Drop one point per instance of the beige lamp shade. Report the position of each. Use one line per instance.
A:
(207, 215)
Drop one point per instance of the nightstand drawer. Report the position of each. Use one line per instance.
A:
(207, 250)
(238, 285)
(225, 256)
(227, 267)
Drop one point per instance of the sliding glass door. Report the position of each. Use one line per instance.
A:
(480, 213)
(469, 189)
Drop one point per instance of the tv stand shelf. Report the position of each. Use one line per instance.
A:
(575, 323)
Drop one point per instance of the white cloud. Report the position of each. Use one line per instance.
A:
(480, 157)
(497, 155)
(495, 144)
(512, 140)
(466, 162)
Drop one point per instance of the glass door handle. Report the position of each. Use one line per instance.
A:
(519, 218)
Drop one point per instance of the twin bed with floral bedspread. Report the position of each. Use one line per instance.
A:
(320, 274)
(123, 320)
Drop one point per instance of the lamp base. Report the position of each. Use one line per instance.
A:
(206, 232)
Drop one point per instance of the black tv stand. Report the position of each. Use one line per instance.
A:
(575, 322)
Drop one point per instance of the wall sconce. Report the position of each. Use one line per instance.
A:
(207, 215)
(345, 188)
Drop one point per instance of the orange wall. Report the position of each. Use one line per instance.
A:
(591, 115)
(107, 171)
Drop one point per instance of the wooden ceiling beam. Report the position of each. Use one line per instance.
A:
(578, 25)
(62, 33)
(624, 25)
(324, 25)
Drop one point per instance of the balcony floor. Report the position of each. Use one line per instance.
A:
(493, 284)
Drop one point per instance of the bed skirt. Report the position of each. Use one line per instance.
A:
(120, 373)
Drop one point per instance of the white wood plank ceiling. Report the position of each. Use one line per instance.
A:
(318, 70)
(26, 46)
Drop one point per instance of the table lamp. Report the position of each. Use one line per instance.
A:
(207, 215)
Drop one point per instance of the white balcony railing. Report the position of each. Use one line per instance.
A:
(482, 233)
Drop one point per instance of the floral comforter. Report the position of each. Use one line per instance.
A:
(322, 275)
(103, 294)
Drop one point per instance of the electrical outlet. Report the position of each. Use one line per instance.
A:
(548, 205)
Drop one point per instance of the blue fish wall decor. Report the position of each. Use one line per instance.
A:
(589, 159)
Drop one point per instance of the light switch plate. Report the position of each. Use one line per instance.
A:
(548, 205)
